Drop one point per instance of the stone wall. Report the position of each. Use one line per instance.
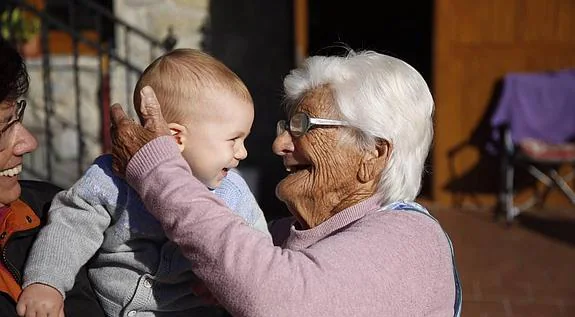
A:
(59, 157)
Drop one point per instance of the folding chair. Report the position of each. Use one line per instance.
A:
(535, 126)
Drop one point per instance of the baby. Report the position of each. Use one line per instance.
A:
(134, 268)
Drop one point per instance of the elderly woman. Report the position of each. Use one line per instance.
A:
(354, 144)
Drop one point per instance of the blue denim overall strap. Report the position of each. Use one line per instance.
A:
(413, 206)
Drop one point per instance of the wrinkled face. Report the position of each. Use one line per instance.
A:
(14, 143)
(215, 142)
(322, 173)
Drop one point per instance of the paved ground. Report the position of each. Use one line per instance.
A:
(527, 269)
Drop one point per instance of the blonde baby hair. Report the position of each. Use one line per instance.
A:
(180, 77)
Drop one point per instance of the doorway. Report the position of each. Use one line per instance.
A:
(403, 29)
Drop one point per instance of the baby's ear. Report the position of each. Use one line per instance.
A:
(179, 133)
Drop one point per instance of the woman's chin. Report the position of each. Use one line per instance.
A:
(290, 187)
(10, 192)
(284, 190)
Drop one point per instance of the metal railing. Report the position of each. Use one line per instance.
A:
(108, 59)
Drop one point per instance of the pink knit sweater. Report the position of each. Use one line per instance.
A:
(363, 261)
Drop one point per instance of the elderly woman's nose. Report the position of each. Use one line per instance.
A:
(283, 144)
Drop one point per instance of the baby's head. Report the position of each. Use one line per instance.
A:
(208, 109)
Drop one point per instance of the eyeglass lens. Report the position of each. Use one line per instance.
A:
(17, 117)
(280, 127)
(299, 124)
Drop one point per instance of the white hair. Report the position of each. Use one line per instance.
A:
(383, 98)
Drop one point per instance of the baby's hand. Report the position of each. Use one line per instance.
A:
(39, 300)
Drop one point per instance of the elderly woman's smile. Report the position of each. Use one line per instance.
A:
(297, 171)
(297, 168)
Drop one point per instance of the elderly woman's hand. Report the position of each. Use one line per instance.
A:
(128, 136)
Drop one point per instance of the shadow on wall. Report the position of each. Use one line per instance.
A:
(255, 39)
(484, 176)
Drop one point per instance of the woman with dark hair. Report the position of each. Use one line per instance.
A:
(23, 204)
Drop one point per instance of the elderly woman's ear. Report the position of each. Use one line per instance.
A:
(374, 161)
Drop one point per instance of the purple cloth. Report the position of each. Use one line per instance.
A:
(538, 105)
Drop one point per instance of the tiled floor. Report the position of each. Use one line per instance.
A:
(527, 269)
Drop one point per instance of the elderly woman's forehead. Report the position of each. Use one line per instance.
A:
(316, 101)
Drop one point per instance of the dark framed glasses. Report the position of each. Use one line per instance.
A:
(300, 123)
(19, 115)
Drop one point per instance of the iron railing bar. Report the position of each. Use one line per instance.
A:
(101, 90)
(78, 125)
(47, 85)
(127, 52)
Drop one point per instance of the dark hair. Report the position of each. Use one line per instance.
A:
(13, 75)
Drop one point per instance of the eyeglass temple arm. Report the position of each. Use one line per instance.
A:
(318, 121)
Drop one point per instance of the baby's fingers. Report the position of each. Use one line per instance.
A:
(21, 308)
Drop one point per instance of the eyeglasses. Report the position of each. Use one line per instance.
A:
(17, 117)
(301, 122)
